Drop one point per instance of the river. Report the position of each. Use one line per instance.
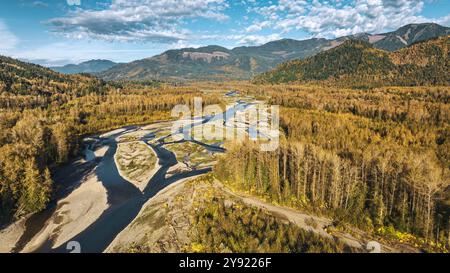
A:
(124, 200)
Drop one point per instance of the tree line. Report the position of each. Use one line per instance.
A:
(382, 189)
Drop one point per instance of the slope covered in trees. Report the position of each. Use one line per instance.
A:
(21, 78)
(359, 64)
(199, 216)
(378, 160)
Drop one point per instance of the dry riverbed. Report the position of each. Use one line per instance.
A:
(73, 214)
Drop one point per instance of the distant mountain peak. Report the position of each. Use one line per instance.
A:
(91, 66)
(216, 62)
(410, 34)
(97, 61)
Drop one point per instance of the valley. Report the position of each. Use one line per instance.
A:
(314, 146)
(152, 206)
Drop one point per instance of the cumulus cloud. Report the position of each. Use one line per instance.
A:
(444, 20)
(253, 40)
(245, 39)
(183, 44)
(7, 38)
(320, 18)
(138, 20)
(164, 21)
(258, 26)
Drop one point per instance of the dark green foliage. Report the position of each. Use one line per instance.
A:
(241, 229)
(359, 64)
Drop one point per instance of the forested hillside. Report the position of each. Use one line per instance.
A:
(359, 64)
(21, 78)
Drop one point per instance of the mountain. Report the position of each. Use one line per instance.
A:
(215, 62)
(358, 63)
(401, 38)
(92, 66)
(408, 35)
(21, 78)
(219, 63)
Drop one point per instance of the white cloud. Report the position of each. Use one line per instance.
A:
(320, 18)
(444, 20)
(39, 4)
(258, 39)
(138, 20)
(8, 39)
(146, 22)
(183, 44)
(258, 26)
(247, 40)
(240, 39)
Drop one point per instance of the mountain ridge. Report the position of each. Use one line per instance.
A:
(91, 66)
(241, 63)
(358, 63)
(23, 78)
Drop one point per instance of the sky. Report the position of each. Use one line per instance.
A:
(58, 32)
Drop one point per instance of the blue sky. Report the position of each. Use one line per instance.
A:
(57, 32)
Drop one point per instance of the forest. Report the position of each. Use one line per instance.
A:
(221, 228)
(44, 116)
(376, 159)
(359, 64)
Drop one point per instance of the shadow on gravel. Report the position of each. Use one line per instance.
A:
(69, 179)
(125, 199)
